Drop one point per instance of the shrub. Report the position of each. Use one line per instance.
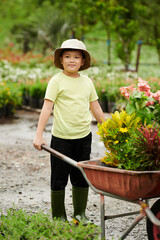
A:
(18, 225)
(132, 137)
(10, 97)
(37, 89)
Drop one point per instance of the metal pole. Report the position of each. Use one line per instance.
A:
(60, 155)
(138, 54)
(136, 221)
(102, 216)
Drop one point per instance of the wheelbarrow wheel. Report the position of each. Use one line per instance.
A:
(153, 231)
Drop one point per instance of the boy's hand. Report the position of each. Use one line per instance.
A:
(38, 141)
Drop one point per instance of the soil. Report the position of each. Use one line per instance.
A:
(25, 177)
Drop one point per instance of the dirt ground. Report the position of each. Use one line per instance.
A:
(25, 177)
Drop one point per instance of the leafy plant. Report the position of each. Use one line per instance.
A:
(132, 137)
(147, 147)
(37, 89)
(115, 134)
(143, 102)
(18, 225)
(10, 97)
(137, 103)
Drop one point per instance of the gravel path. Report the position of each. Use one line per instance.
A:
(25, 177)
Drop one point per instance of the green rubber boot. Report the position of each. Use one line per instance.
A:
(57, 205)
(80, 197)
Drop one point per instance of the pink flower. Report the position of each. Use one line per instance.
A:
(143, 82)
(126, 91)
(156, 96)
(144, 87)
(149, 103)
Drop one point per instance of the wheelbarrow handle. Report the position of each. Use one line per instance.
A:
(60, 155)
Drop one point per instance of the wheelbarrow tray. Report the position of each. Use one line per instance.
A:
(131, 185)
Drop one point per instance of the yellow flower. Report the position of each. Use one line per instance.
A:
(115, 142)
(123, 130)
(126, 140)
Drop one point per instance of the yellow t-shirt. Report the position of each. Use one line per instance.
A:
(71, 97)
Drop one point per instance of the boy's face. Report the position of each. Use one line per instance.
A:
(72, 61)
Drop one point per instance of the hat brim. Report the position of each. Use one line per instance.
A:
(57, 62)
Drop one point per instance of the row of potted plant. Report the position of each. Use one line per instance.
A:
(33, 93)
(33, 79)
(13, 96)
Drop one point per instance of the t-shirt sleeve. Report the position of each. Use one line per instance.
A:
(93, 95)
(52, 90)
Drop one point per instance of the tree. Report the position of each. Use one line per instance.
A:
(50, 27)
(14, 13)
(106, 11)
(150, 23)
(33, 23)
(126, 26)
(82, 15)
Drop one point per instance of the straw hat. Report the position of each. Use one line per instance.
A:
(72, 44)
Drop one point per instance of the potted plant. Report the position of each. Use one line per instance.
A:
(36, 94)
(132, 136)
(10, 98)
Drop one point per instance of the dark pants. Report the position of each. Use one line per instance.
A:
(78, 150)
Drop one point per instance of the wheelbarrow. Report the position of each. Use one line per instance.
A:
(133, 186)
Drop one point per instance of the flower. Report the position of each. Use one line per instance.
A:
(132, 136)
(123, 130)
(143, 102)
(156, 96)
(126, 91)
(144, 87)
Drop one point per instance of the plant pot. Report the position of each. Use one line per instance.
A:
(36, 102)
(111, 107)
(25, 100)
(104, 105)
(2, 112)
(9, 110)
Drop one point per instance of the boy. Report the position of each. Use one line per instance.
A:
(72, 95)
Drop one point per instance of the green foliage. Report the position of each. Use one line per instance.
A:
(143, 102)
(10, 97)
(150, 26)
(126, 27)
(137, 103)
(37, 89)
(146, 149)
(43, 24)
(82, 14)
(13, 13)
(33, 93)
(18, 224)
(130, 145)
(51, 29)
(115, 134)
(132, 138)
